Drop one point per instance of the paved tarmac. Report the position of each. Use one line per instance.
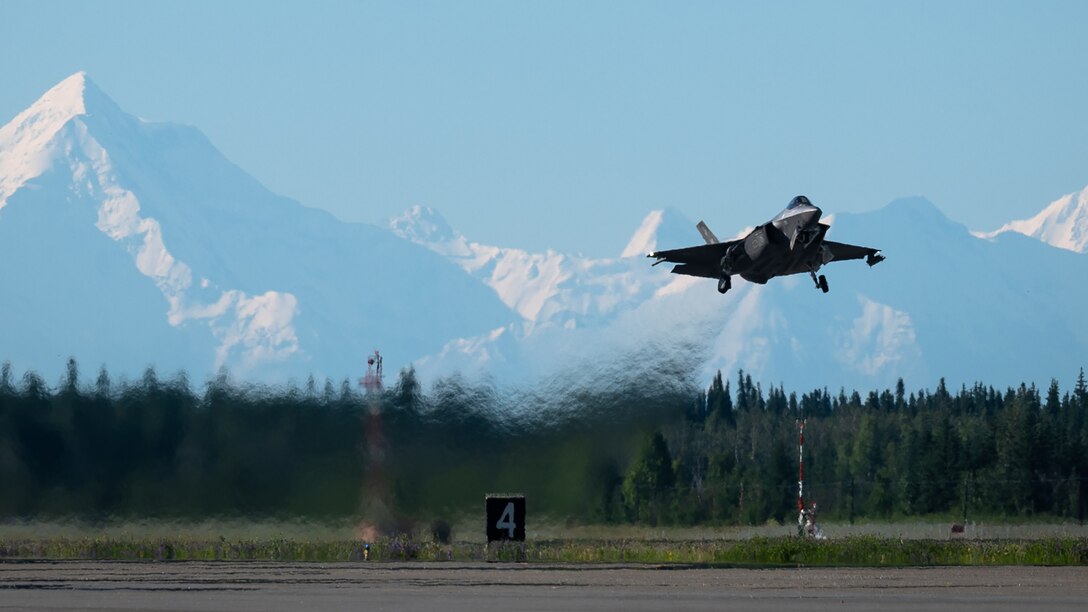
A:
(80, 585)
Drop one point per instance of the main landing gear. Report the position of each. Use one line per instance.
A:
(821, 282)
(724, 283)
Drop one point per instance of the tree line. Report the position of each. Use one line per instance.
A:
(976, 453)
(152, 447)
(640, 452)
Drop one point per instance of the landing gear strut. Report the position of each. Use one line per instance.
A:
(821, 282)
(724, 283)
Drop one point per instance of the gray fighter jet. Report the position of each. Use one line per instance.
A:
(791, 243)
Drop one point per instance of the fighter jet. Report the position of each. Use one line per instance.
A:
(790, 243)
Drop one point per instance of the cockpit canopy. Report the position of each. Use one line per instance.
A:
(798, 201)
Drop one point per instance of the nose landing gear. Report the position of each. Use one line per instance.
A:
(724, 283)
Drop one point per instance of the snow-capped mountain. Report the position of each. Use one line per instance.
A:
(945, 304)
(1064, 223)
(550, 288)
(660, 230)
(129, 243)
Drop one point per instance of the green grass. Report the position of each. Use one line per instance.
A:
(790, 551)
(875, 544)
(756, 552)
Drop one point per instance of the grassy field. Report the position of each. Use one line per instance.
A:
(917, 530)
(913, 544)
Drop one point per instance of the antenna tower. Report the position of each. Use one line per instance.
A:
(373, 380)
(376, 498)
(801, 465)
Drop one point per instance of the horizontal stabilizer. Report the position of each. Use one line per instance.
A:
(707, 234)
(842, 252)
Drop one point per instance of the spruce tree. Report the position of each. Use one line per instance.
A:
(1080, 392)
(649, 482)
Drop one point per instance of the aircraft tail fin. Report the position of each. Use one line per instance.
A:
(707, 234)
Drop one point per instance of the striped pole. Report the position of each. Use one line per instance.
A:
(801, 466)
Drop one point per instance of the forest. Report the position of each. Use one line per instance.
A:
(657, 453)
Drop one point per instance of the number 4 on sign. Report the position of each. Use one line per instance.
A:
(506, 520)
(505, 517)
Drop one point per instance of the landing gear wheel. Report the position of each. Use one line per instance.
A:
(823, 283)
(724, 283)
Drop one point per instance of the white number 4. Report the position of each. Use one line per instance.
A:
(506, 521)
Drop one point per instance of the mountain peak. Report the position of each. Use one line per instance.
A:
(66, 97)
(26, 140)
(661, 229)
(74, 96)
(422, 225)
(915, 205)
(1063, 223)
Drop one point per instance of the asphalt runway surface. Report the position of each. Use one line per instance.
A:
(85, 585)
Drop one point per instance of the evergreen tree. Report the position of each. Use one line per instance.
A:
(102, 384)
(71, 378)
(719, 403)
(7, 388)
(649, 482)
(742, 393)
(1053, 399)
(1080, 391)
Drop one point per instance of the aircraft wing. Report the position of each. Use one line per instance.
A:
(703, 260)
(840, 252)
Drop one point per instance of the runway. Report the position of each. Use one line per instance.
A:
(479, 586)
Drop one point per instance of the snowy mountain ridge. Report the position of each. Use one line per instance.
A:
(26, 142)
(238, 271)
(945, 304)
(547, 288)
(260, 326)
(1063, 223)
(131, 243)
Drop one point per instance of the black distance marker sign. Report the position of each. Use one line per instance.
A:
(505, 517)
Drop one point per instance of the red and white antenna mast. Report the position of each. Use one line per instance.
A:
(373, 380)
(376, 498)
(801, 465)
(806, 517)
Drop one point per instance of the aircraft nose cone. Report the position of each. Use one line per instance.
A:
(805, 217)
(804, 223)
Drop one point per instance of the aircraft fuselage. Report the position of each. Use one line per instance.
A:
(787, 244)
(790, 243)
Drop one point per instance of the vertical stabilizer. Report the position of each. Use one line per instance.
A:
(707, 234)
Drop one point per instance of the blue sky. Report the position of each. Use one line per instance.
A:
(561, 124)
